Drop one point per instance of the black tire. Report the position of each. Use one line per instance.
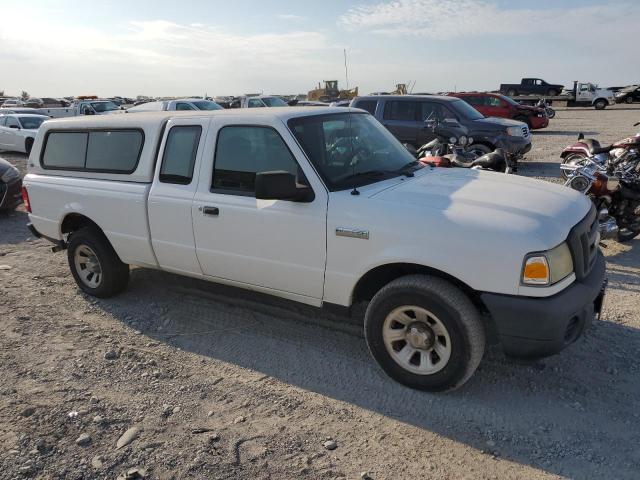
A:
(524, 120)
(479, 149)
(512, 92)
(28, 145)
(629, 100)
(600, 104)
(550, 112)
(625, 235)
(114, 275)
(552, 93)
(452, 308)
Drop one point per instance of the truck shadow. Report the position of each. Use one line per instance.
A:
(523, 412)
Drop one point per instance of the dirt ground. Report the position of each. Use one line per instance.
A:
(219, 383)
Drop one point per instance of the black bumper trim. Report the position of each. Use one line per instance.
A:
(537, 327)
(58, 244)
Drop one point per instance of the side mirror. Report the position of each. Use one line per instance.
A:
(281, 185)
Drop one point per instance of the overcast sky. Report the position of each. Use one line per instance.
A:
(193, 47)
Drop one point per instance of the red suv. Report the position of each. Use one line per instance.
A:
(496, 105)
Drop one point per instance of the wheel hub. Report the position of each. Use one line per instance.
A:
(420, 336)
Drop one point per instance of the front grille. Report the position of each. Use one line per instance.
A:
(583, 243)
(525, 131)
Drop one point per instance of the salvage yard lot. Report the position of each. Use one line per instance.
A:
(222, 383)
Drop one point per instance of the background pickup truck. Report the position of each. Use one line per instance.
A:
(181, 104)
(323, 206)
(531, 86)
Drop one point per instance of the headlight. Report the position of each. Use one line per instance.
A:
(515, 132)
(470, 140)
(547, 268)
(453, 140)
(462, 140)
(10, 175)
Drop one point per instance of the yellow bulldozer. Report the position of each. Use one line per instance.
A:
(331, 93)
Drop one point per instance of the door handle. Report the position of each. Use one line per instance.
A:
(213, 211)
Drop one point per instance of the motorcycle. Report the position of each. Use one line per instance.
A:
(449, 149)
(615, 191)
(574, 155)
(550, 112)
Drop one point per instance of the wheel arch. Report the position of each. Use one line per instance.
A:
(377, 277)
(75, 221)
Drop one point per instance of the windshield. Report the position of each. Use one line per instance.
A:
(274, 102)
(509, 100)
(465, 110)
(104, 106)
(350, 149)
(206, 105)
(31, 123)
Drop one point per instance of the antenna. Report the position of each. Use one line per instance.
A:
(353, 165)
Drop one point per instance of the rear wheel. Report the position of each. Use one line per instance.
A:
(95, 265)
(573, 160)
(425, 333)
(629, 99)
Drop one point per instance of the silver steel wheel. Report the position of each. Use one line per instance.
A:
(416, 340)
(88, 266)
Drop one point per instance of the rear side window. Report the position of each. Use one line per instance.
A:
(368, 105)
(401, 110)
(184, 106)
(179, 155)
(241, 152)
(116, 151)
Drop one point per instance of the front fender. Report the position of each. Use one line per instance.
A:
(579, 148)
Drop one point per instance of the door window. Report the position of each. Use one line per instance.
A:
(184, 106)
(255, 103)
(401, 110)
(492, 102)
(179, 155)
(368, 105)
(435, 111)
(12, 122)
(243, 151)
(473, 100)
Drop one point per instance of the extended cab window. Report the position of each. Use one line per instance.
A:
(243, 151)
(179, 155)
(401, 110)
(115, 151)
(255, 103)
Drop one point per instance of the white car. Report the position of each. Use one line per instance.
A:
(18, 131)
(325, 207)
(12, 102)
(175, 105)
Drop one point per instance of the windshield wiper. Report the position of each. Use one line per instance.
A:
(407, 169)
(367, 174)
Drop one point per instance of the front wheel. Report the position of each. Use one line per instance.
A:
(550, 112)
(425, 333)
(95, 265)
(629, 100)
(478, 149)
(600, 104)
(572, 162)
(626, 235)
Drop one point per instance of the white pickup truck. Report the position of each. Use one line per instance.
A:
(326, 208)
(82, 107)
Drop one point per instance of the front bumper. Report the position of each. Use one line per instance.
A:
(10, 195)
(514, 145)
(538, 327)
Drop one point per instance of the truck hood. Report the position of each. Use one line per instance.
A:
(496, 123)
(487, 201)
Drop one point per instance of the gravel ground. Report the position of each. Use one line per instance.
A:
(208, 382)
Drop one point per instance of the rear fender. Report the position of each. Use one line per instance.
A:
(579, 148)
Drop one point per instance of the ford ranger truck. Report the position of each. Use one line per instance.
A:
(324, 207)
